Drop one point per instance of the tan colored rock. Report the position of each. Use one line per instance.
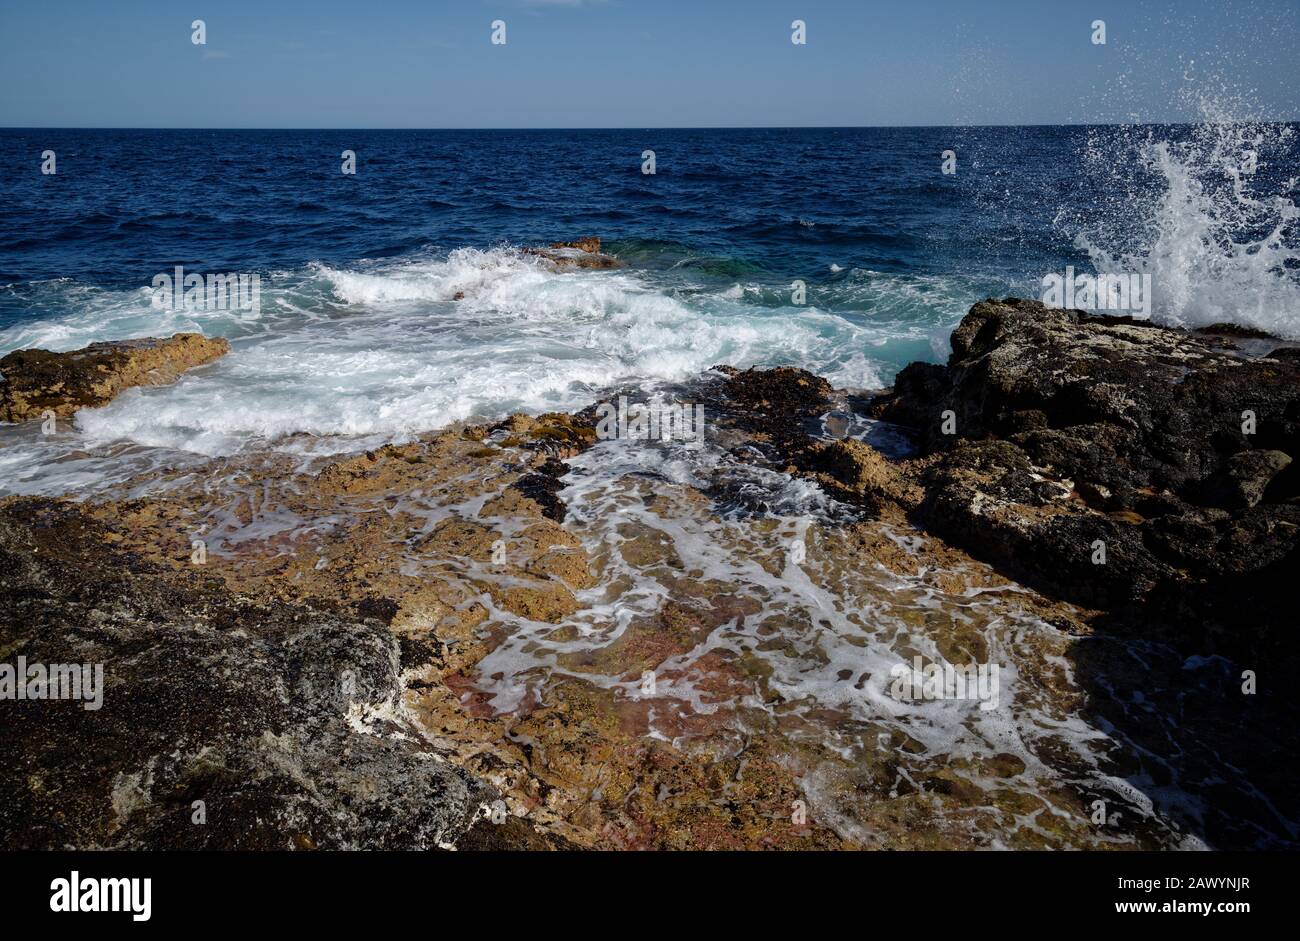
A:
(557, 553)
(557, 433)
(588, 243)
(462, 538)
(858, 472)
(581, 253)
(545, 549)
(437, 606)
(538, 601)
(36, 381)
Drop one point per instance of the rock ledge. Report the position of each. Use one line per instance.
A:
(35, 381)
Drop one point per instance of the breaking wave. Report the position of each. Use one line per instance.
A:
(1209, 212)
(387, 349)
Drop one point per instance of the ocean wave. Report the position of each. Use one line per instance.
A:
(397, 347)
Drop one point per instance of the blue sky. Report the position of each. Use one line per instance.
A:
(640, 63)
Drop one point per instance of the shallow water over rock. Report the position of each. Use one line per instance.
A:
(677, 665)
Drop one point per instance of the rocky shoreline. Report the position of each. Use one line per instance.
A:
(304, 651)
(1138, 470)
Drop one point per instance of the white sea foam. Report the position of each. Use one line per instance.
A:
(395, 348)
(841, 631)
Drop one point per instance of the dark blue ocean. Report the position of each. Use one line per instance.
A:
(393, 300)
(783, 203)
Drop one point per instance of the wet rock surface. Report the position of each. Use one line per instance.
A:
(776, 405)
(1142, 474)
(33, 382)
(395, 573)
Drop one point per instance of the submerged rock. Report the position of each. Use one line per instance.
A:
(33, 382)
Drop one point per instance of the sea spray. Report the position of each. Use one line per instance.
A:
(1208, 211)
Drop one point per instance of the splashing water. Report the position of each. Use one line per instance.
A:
(1209, 212)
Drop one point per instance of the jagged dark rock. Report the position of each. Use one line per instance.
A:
(1244, 479)
(1118, 465)
(544, 486)
(776, 404)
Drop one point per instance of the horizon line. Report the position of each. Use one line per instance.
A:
(663, 127)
